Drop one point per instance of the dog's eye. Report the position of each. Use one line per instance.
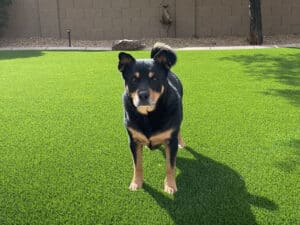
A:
(134, 79)
(154, 78)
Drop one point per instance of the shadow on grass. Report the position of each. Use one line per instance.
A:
(283, 68)
(4, 55)
(292, 162)
(209, 193)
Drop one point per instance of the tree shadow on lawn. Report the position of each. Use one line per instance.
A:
(209, 193)
(4, 55)
(283, 68)
(292, 162)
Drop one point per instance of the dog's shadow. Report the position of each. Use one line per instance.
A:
(209, 193)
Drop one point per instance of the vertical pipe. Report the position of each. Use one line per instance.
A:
(69, 37)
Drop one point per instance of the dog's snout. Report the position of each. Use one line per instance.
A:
(143, 95)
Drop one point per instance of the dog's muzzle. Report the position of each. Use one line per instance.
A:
(143, 102)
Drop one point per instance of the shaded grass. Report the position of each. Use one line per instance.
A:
(63, 148)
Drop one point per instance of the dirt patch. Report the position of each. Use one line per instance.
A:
(173, 42)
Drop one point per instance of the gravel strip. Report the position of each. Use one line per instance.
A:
(49, 43)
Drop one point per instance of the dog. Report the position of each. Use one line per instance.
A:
(153, 109)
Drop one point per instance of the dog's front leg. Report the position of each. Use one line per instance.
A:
(171, 151)
(137, 180)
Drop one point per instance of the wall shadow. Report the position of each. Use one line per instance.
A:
(283, 68)
(209, 193)
(4, 55)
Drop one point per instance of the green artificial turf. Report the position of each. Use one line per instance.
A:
(64, 157)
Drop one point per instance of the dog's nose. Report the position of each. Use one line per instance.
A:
(143, 95)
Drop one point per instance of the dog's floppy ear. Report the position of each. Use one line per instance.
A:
(163, 54)
(125, 60)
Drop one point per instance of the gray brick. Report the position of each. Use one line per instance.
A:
(63, 4)
(281, 10)
(103, 23)
(75, 13)
(113, 33)
(295, 28)
(83, 4)
(99, 4)
(131, 13)
(120, 3)
(221, 11)
(296, 11)
(204, 11)
(46, 4)
(112, 13)
(139, 3)
(95, 34)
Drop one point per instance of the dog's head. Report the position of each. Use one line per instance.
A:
(145, 79)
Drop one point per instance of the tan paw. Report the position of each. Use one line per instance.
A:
(181, 145)
(135, 185)
(170, 187)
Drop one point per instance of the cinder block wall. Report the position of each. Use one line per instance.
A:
(116, 19)
(222, 18)
(281, 17)
(89, 19)
(103, 19)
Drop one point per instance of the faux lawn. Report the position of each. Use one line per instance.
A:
(64, 155)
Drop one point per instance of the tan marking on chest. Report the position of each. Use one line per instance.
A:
(138, 136)
(161, 138)
(156, 139)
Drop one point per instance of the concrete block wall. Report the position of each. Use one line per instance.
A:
(281, 16)
(24, 19)
(89, 19)
(117, 19)
(222, 18)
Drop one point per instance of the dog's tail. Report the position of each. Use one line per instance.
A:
(163, 49)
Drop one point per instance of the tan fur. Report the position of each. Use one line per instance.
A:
(154, 96)
(138, 136)
(145, 109)
(135, 97)
(170, 182)
(156, 139)
(137, 179)
(151, 74)
(181, 143)
(161, 138)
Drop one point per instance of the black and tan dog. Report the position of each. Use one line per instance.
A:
(153, 109)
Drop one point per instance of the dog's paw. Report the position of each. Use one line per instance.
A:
(181, 145)
(135, 185)
(170, 187)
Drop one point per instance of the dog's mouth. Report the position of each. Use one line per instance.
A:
(144, 107)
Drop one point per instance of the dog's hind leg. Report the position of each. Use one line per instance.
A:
(137, 180)
(171, 152)
(181, 143)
